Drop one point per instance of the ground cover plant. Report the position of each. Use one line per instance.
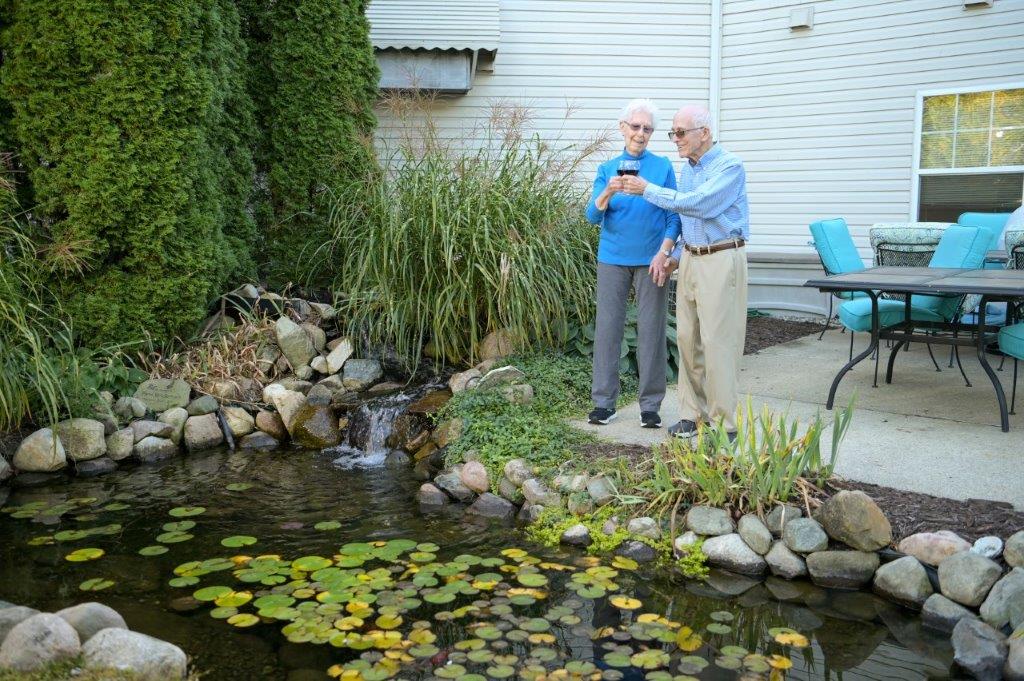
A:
(456, 240)
(498, 431)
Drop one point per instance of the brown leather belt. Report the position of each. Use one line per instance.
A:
(716, 247)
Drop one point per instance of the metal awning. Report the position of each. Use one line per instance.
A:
(434, 24)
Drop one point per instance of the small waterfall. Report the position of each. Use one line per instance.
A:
(368, 430)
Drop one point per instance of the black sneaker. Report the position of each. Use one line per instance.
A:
(650, 419)
(684, 429)
(601, 417)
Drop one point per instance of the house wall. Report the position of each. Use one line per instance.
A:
(824, 117)
(590, 56)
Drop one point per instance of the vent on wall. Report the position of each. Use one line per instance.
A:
(972, 4)
(801, 17)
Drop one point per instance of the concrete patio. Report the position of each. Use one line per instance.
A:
(926, 432)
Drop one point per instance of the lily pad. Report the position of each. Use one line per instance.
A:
(243, 620)
(186, 511)
(82, 555)
(327, 525)
(181, 582)
(179, 526)
(238, 486)
(173, 537)
(719, 628)
(211, 593)
(311, 563)
(96, 584)
(237, 541)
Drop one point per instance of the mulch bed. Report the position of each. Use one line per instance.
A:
(764, 332)
(911, 512)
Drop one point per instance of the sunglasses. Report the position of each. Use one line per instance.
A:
(672, 134)
(636, 127)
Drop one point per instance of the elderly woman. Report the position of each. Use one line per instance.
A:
(630, 256)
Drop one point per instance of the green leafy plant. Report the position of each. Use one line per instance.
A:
(768, 462)
(580, 341)
(452, 244)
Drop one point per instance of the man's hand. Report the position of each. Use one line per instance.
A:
(657, 268)
(632, 184)
(668, 266)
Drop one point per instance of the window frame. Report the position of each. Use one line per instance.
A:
(917, 171)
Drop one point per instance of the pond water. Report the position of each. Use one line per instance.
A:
(279, 498)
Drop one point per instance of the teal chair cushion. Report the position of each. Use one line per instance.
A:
(856, 314)
(993, 223)
(960, 246)
(1011, 340)
(834, 244)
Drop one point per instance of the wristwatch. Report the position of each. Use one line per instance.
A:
(667, 253)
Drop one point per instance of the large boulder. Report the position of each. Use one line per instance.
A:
(83, 439)
(13, 616)
(804, 535)
(315, 427)
(854, 519)
(518, 471)
(1013, 670)
(94, 467)
(784, 563)
(287, 402)
(496, 344)
(258, 440)
(576, 535)
(270, 423)
(360, 374)
(5, 469)
(451, 483)
(40, 452)
(492, 506)
(905, 581)
(730, 552)
(204, 404)
(933, 547)
(150, 659)
(89, 618)
(943, 614)
(317, 336)
(295, 343)
(709, 521)
(641, 552)
(842, 569)
(340, 354)
(967, 577)
(1005, 602)
(429, 495)
(464, 380)
(203, 432)
(780, 515)
(979, 649)
(239, 421)
(37, 641)
(502, 376)
(1013, 552)
(153, 449)
(448, 432)
(536, 492)
(176, 418)
(643, 526)
(474, 476)
(143, 429)
(755, 534)
(120, 444)
(161, 394)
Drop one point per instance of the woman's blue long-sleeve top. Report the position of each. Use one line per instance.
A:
(632, 229)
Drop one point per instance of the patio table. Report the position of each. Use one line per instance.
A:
(991, 285)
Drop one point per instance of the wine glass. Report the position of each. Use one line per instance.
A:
(629, 166)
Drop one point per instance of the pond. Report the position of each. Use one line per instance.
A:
(300, 504)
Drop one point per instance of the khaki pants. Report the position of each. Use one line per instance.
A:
(711, 325)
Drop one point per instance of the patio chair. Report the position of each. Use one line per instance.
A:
(838, 255)
(993, 223)
(1015, 249)
(1011, 343)
(905, 244)
(960, 246)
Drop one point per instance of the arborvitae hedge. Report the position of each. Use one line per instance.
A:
(314, 82)
(134, 128)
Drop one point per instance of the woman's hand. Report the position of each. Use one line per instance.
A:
(614, 185)
(668, 266)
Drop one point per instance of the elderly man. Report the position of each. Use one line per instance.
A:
(628, 257)
(711, 294)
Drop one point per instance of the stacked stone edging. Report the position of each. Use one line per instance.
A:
(31, 640)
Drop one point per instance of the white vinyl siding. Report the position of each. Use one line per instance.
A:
(434, 24)
(592, 56)
(824, 118)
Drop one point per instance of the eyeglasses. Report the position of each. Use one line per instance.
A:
(672, 134)
(636, 127)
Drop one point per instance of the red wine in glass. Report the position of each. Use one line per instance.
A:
(629, 167)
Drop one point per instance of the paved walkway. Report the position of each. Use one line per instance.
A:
(926, 432)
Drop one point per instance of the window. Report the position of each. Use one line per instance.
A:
(969, 152)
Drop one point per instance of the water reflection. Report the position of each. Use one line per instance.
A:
(854, 635)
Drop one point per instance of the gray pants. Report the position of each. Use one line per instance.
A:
(613, 285)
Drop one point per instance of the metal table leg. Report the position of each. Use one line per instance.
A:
(853, 362)
(909, 330)
(983, 359)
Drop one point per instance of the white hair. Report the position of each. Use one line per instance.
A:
(700, 117)
(639, 106)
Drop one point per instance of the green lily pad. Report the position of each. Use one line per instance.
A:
(722, 616)
(425, 650)
(179, 526)
(439, 597)
(116, 506)
(45, 540)
(718, 628)
(96, 584)
(327, 525)
(211, 593)
(726, 662)
(237, 541)
(223, 613)
(82, 555)
(500, 671)
(532, 579)
(181, 582)
(311, 563)
(480, 656)
(242, 620)
(71, 535)
(429, 547)
(450, 671)
(186, 511)
(733, 651)
(173, 537)
(238, 486)
(617, 659)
